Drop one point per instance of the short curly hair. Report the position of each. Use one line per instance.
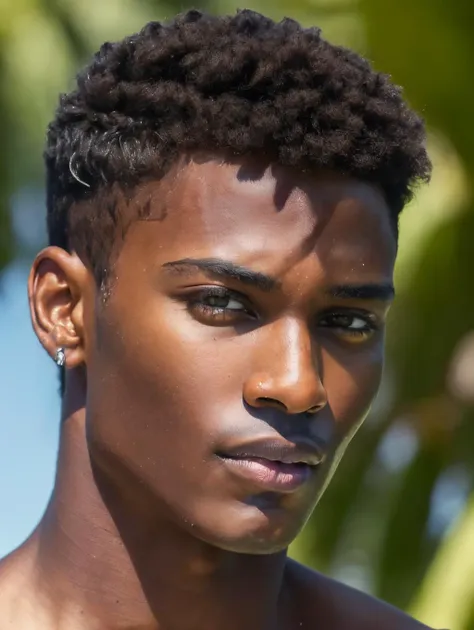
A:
(240, 84)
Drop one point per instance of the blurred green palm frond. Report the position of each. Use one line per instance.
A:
(398, 518)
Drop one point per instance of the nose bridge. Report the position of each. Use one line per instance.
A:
(293, 357)
(289, 368)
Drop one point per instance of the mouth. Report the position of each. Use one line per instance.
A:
(274, 465)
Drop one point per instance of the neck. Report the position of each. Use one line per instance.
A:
(132, 571)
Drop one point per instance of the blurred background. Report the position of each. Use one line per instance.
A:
(398, 520)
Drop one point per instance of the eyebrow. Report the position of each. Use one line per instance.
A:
(220, 268)
(217, 267)
(384, 291)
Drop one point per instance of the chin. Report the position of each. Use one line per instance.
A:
(251, 529)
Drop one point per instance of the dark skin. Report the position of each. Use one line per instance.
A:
(252, 313)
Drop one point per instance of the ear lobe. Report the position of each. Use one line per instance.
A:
(56, 288)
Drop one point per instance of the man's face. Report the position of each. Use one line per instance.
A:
(240, 348)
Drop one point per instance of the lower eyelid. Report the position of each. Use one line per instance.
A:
(367, 329)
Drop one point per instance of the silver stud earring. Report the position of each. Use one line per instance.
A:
(60, 357)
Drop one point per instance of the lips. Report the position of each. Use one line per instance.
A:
(274, 465)
(298, 451)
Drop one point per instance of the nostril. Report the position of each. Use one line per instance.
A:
(267, 401)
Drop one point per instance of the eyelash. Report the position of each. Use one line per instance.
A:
(218, 313)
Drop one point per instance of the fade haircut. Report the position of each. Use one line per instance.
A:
(239, 85)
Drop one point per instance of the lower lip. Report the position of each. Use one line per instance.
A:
(270, 476)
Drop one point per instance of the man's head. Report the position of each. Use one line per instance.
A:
(233, 186)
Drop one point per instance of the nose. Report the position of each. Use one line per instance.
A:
(287, 374)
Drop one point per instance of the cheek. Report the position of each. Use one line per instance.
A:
(148, 415)
(351, 386)
(155, 374)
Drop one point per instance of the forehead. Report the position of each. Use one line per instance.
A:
(273, 218)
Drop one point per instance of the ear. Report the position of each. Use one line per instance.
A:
(56, 289)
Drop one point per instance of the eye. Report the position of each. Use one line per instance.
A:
(222, 301)
(218, 305)
(354, 326)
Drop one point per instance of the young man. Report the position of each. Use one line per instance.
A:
(223, 196)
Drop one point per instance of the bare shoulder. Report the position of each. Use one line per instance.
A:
(18, 605)
(325, 603)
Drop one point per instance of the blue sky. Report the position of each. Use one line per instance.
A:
(29, 415)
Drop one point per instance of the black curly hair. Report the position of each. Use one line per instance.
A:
(240, 85)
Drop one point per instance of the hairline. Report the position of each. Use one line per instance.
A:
(125, 195)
